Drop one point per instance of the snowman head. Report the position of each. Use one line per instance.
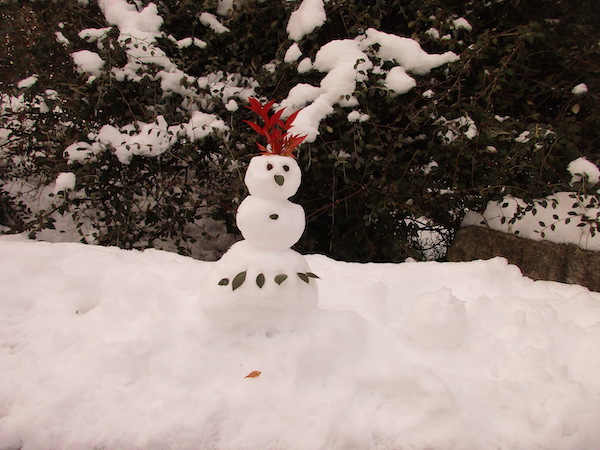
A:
(273, 176)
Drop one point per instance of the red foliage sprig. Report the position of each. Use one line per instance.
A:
(275, 130)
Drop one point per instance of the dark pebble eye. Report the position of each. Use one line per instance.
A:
(286, 168)
(269, 166)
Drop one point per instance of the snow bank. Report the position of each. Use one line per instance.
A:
(107, 348)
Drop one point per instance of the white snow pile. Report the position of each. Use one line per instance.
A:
(211, 21)
(583, 170)
(461, 126)
(144, 139)
(463, 23)
(106, 348)
(309, 16)
(89, 62)
(64, 181)
(581, 88)
(27, 82)
(347, 62)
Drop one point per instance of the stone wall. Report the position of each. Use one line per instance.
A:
(538, 260)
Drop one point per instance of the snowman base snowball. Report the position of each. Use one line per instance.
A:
(261, 284)
(253, 289)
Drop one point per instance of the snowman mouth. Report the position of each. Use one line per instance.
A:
(279, 179)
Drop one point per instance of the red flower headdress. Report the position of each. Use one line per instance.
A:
(275, 130)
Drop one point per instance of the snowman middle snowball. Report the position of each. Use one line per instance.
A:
(266, 217)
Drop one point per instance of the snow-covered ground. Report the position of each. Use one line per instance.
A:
(106, 348)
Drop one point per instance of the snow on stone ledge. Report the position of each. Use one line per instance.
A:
(551, 224)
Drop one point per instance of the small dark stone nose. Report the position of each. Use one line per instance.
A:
(279, 180)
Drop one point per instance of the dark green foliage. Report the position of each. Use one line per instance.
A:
(366, 189)
(514, 63)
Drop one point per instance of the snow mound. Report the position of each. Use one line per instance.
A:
(106, 348)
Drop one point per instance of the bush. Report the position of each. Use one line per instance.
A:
(501, 120)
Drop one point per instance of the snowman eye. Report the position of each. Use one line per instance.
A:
(286, 168)
(269, 166)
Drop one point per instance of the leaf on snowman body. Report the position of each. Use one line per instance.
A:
(238, 280)
(280, 278)
(224, 282)
(260, 280)
(303, 277)
(312, 275)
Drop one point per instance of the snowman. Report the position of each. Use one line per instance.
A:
(261, 284)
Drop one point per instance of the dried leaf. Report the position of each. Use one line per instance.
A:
(312, 275)
(253, 374)
(224, 282)
(260, 280)
(575, 108)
